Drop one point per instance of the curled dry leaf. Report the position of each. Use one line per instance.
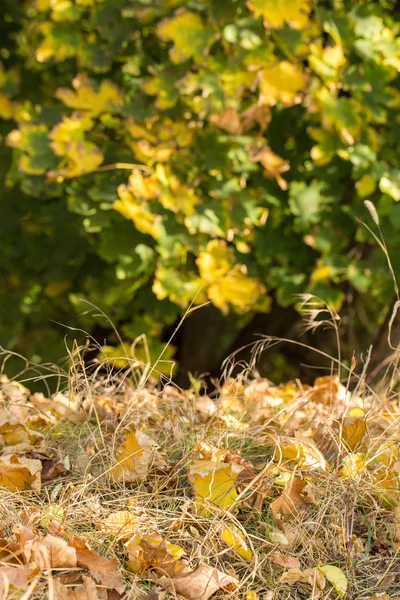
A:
(20, 473)
(103, 570)
(133, 457)
(199, 584)
(49, 552)
(296, 495)
(287, 562)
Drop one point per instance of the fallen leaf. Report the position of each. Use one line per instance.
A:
(49, 552)
(133, 457)
(17, 577)
(152, 551)
(327, 390)
(214, 483)
(293, 498)
(336, 578)
(303, 451)
(86, 591)
(103, 570)
(235, 539)
(200, 584)
(287, 562)
(122, 524)
(353, 431)
(20, 473)
(292, 576)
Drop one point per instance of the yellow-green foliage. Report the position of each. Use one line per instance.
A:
(172, 151)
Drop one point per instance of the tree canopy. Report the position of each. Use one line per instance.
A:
(164, 153)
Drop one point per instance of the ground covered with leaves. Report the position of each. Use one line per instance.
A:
(113, 491)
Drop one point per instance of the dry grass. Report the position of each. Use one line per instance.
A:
(351, 524)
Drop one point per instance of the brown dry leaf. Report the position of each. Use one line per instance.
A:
(292, 576)
(229, 120)
(49, 552)
(152, 551)
(200, 584)
(13, 577)
(154, 596)
(103, 570)
(312, 577)
(294, 497)
(133, 457)
(381, 596)
(86, 591)
(273, 164)
(204, 407)
(256, 113)
(287, 562)
(20, 473)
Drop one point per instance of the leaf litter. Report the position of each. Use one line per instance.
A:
(260, 492)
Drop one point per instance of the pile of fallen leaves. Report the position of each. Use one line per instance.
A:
(262, 492)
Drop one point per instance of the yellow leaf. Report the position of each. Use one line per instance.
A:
(235, 539)
(182, 289)
(20, 473)
(70, 129)
(106, 99)
(366, 186)
(336, 578)
(226, 284)
(122, 524)
(322, 272)
(353, 465)
(278, 12)
(304, 452)
(250, 595)
(6, 107)
(80, 157)
(353, 431)
(282, 82)
(137, 211)
(143, 188)
(133, 457)
(236, 289)
(213, 482)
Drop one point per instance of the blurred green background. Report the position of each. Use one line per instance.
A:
(158, 155)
